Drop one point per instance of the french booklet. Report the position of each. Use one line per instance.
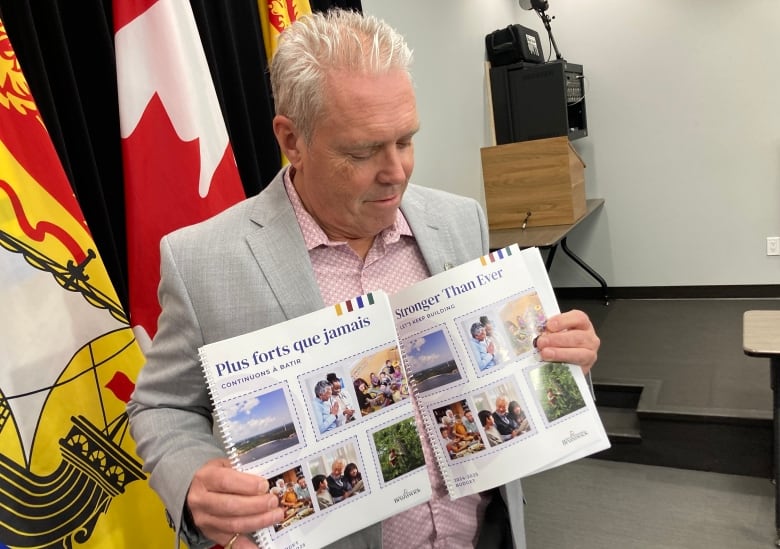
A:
(321, 407)
(493, 409)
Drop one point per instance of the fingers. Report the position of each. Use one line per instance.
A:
(219, 476)
(224, 501)
(570, 338)
(570, 320)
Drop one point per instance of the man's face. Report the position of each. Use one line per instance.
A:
(337, 470)
(325, 394)
(501, 407)
(352, 175)
(479, 335)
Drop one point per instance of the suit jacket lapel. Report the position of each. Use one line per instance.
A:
(281, 253)
(430, 231)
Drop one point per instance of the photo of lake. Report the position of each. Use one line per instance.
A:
(429, 361)
(261, 425)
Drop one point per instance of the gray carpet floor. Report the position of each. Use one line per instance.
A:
(693, 347)
(597, 504)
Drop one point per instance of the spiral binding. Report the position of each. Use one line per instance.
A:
(227, 439)
(430, 428)
(261, 537)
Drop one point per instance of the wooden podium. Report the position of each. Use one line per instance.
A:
(536, 183)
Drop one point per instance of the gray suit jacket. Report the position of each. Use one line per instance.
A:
(242, 270)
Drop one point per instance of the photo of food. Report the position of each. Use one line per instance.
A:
(294, 495)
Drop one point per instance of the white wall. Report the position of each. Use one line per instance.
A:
(683, 106)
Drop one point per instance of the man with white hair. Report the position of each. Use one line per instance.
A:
(341, 220)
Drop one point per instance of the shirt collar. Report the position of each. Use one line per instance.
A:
(314, 236)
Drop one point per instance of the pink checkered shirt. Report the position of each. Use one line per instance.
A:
(393, 262)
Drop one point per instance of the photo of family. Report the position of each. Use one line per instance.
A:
(459, 435)
(378, 381)
(501, 414)
(430, 361)
(556, 390)
(294, 495)
(260, 425)
(344, 392)
(398, 449)
(336, 476)
(501, 333)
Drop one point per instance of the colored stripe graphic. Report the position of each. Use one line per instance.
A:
(495, 255)
(359, 302)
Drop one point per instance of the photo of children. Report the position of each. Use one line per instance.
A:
(378, 381)
(501, 413)
(336, 476)
(458, 432)
(294, 496)
(557, 392)
(261, 425)
(430, 361)
(398, 449)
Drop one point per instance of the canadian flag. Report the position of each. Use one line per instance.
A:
(178, 163)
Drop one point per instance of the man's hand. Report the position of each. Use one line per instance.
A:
(569, 337)
(224, 501)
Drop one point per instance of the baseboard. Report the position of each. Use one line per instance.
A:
(754, 291)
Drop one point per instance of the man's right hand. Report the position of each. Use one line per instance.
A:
(224, 501)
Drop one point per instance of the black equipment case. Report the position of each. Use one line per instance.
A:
(513, 44)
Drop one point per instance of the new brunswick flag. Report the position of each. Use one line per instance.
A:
(277, 15)
(69, 476)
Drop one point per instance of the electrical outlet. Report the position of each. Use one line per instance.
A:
(773, 245)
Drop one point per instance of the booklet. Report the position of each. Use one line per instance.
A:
(493, 409)
(320, 406)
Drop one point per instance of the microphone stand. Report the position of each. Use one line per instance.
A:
(546, 20)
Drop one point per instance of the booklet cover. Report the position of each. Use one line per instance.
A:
(320, 406)
(494, 411)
